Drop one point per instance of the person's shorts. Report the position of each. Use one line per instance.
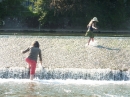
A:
(32, 65)
(90, 34)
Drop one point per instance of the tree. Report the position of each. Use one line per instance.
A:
(10, 8)
(60, 13)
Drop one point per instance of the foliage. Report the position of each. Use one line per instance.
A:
(10, 8)
(16, 9)
(61, 13)
(110, 13)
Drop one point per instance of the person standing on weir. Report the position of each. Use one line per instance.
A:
(91, 26)
(34, 52)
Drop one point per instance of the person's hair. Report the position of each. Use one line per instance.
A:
(90, 23)
(35, 44)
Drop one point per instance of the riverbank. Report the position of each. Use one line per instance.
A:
(60, 30)
(63, 32)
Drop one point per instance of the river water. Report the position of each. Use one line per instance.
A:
(71, 68)
(63, 88)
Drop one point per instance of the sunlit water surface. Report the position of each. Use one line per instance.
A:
(111, 51)
(63, 88)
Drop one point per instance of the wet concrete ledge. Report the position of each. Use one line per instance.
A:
(62, 30)
(66, 73)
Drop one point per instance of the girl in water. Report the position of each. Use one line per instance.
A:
(91, 26)
(31, 59)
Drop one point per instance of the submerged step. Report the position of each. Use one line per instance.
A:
(66, 73)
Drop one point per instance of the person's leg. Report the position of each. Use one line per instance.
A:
(92, 36)
(31, 76)
(32, 70)
(89, 41)
(28, 67)
(92, 39)
(32, 67)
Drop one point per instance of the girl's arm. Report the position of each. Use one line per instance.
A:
(26, 50)
(40, 57)
(93, 26)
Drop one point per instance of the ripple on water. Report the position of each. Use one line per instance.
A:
(63, 88)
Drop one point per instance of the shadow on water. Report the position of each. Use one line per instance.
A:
(100, 46)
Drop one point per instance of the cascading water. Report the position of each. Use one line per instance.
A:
(67, 57)
(71, 68)
(66, 73)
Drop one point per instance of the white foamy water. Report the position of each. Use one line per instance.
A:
(92, 43)
(67, 52)
(68, 81)
(63, 88)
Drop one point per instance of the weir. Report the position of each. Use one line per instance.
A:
(67, 57)
(67, 73)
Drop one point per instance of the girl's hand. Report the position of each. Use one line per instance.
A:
(40, 65)
(21, 51)
(41, 62)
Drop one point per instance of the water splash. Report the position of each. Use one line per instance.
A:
(65, 57)
(92, 43)
(67, 73)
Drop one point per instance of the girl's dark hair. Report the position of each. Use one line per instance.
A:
(35, 44)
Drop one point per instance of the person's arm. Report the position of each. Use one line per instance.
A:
(87, 26)
(40, 57)
(93, 26)
(26, 50)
